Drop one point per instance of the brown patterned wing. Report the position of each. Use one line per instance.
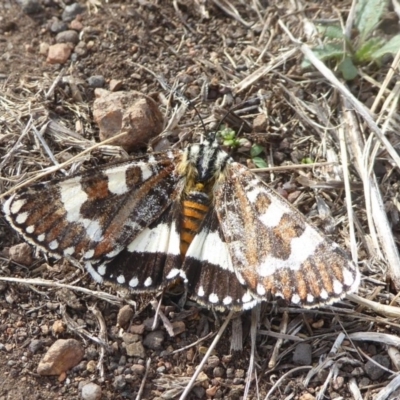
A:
(274, 249)
(92, 216)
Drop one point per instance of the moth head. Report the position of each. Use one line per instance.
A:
(204, 162)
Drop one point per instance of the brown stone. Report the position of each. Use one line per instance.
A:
(124, 317)
(59, 53)
(21, 254)
(130, 112)
(61, 356)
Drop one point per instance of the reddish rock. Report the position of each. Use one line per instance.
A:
(130, 112)
(61, 356)
(59, 53)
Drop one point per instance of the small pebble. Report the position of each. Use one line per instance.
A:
(302, 354)
(71, 11)
(96, 81)
(76, 25)
(91, 391)
(138, 369)
(154, 340)
(135, 350)
(30, 6)
(68, 36)
(58, 26)
(119, 382)
(35, 345)
(373, 370)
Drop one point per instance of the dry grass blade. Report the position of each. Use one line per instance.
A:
(264, 70)
(255, 316)
(95, 293)
(383, 309)
(386, 392)
(279, 342)
(103, 336)
(390, 340)
(376, 212)
(141, 389)
(354, 389)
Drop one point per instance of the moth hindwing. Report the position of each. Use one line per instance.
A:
(195, 215)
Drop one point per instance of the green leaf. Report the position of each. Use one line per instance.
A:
(259, 162)
(307, 160)
(256, 150)
(227, 133)
(368, 15)
(392, 47)
(347, 68)
(330, 31)
(325, 52)
(367, 49)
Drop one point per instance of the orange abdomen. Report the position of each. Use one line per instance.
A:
(193, 213)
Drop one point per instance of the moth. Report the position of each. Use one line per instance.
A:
(192, 214)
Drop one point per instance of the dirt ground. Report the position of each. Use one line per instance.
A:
(222, 55)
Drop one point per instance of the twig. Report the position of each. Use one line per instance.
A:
(103, 336)
(95, 293)
(279, 342)
(140, 392)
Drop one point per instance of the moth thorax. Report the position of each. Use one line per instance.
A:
(195, 206)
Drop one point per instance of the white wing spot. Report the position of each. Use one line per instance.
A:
(295, 299)
(261, 290)
(21, 218)
(324, 294)
(17, 205)
(310, 298)
(173, 273)
(348, 277)
(146, 170)
(69, 251)
(133, 282)
(272, 217)
(213, 298)
(73, 198)
(101, 269)
(227, 300)
(247, 297)
(148, 282)
(117, 179)
(121, 279)
(30, 229)
(337, 287)
(200, 292)
(89, 254)
(41, 237)
(53, 244)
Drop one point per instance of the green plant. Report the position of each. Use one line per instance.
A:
(349, 53)
(229, 139)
